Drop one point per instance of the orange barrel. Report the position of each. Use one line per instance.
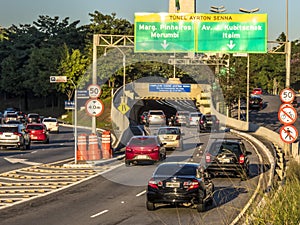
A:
(82, 147)
(93, 152)
(106, 147)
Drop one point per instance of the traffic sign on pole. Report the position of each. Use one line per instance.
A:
(288, 133)
(197, 32)
(94, 90)
(287, 114)
(58, 79)
(94, 107)
(287, 95)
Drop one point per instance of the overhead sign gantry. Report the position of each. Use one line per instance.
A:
(197, 32)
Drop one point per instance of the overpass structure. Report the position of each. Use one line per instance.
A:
(139, 94)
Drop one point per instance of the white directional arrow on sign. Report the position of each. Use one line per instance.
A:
(165, 45)
(231, 45)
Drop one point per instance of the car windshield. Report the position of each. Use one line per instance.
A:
(168, 131)
(143, 141)
(9, 129)
(175, 170)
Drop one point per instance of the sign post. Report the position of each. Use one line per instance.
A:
(287, 115)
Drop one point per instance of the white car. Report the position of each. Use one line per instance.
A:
(51, 124)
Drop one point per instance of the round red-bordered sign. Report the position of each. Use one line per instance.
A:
(287, 114)
(287, 95)
(288, 133)
(94, 107)
(94, 91)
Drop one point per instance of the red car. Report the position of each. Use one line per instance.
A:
(38, 132)
(143, 149)
(257, 91)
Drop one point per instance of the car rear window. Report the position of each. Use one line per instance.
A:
(142, 141)
(8, 129)
(35, 127)
(168, 131)
(156, 113)
(173, 169)
(218, 148)
(50, 120)
(195, 114)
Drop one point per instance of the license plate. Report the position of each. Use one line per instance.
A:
(225, 160)
(173, 184)
(142, 157)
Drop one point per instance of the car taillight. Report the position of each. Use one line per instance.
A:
(1, 132)
(208, 158)
(201, 121)
(128, 149)
(154, 184)
(193, 184)
(242, 159)
(17, 133)
(217, 121)
(155, 149)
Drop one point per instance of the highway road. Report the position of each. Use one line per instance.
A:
(116, 195)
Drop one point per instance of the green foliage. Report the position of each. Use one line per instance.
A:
(282, 206)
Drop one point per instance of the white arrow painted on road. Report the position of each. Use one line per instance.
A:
(165, 45)
(23, 161)
(231, 45)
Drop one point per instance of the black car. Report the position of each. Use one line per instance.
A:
(180, 183)
(228, 156)
(202, 123)
(212, 123)
(256, 102)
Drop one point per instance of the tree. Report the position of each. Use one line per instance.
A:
(74, 67)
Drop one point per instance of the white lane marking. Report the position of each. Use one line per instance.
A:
(139, 194)
(100, 213)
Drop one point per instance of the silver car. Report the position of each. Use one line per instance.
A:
(171, 137)
(194, 118)
(156, 117)
(14, 135)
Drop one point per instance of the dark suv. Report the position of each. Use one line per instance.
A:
(180, 183)
(228, 156)
(33, 118)
(212, 123)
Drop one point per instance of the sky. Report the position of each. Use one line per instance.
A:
(27, 11)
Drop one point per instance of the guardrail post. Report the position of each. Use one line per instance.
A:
(280, 163)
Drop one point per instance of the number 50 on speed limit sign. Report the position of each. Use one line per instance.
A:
(287, 95)
(94, 91)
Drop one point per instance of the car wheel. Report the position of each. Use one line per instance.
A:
(244, 175)
(47, 141)
(150, 206)
(127, 163)
(28, 146)
(201, 207)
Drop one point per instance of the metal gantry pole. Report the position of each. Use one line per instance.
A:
(94, 75)
(248, 80)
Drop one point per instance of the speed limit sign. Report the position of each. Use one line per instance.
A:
(287, 95)
(94, 91)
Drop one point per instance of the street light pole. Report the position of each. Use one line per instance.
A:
(248, 67)
(287, 47)
(124, 68)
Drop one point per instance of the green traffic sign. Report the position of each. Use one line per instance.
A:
(192, 32)
(164, 37)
